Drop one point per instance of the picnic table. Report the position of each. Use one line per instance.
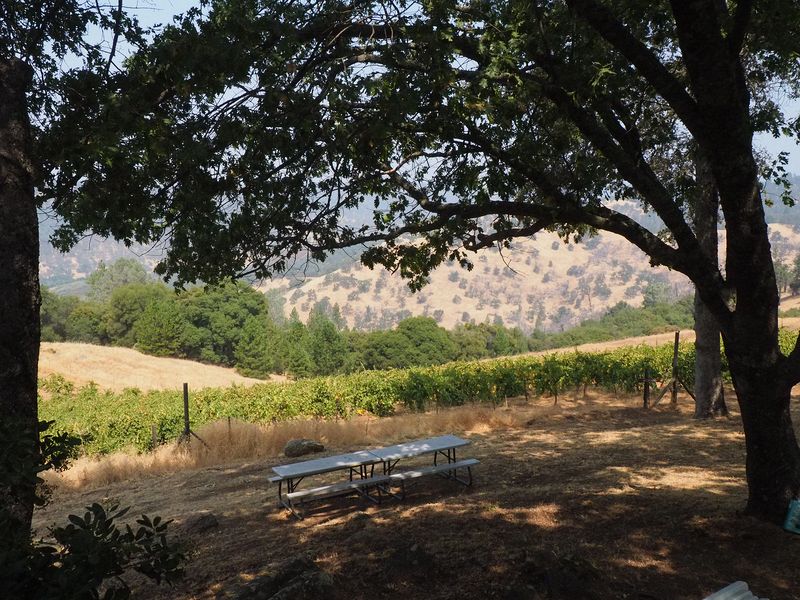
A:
(360, 467)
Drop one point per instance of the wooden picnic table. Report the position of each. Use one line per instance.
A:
(361, 470)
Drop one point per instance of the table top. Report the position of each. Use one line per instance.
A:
(417, 447)
(329, 463)
(368, 457)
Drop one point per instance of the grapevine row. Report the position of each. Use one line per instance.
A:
(107, 421)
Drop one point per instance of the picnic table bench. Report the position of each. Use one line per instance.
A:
(362, 478)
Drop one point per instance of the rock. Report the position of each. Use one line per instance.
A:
(201, 523)
(295, 448)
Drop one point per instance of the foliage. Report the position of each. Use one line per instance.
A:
(215, 317)
(106, 421)
(85, 559)
(261, 348)
(126, 305)
(107, 278)
(160, 328)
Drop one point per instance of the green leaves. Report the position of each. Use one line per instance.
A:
(109, 422)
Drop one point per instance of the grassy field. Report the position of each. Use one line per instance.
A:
(115, 369)
(591, 499)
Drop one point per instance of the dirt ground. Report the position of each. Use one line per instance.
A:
(592, 499)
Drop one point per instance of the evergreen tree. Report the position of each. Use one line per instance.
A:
(159, 330)
(296, 342)
(326, 346)
(260, 350)
(106, 278)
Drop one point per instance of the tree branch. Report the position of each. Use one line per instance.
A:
(646, 62)
(741, 22)
(117, 27)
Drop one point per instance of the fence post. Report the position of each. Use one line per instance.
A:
(646, 394)
(154, 435)
(674, 398)
(186, 429)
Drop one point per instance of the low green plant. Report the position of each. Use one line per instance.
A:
(86, 559)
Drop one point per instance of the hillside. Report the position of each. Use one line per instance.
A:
(540, 283)
(113, 368)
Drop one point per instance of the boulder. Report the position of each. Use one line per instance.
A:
(295, 448)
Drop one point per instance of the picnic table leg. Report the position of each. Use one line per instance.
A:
(291, 485)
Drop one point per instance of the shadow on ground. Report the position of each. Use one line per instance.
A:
(607, 503)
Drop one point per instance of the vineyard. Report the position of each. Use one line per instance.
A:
(108, 421)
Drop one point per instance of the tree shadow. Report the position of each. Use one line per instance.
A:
(622, 504)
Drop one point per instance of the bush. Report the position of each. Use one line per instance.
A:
(90, 553)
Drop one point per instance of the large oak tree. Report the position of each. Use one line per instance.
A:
(248, 131)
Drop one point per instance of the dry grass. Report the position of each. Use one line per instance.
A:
(113, 368)
(590, 500)
(234, 440)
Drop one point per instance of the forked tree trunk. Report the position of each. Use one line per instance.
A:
(19, 282)
(708, 391)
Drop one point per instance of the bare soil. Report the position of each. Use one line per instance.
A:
(592, 499)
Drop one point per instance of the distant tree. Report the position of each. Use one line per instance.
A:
(261, 349)
(159, 329)
(87, 323)
(337, 318)
(297, 359)
(386, 350)
(215, 317)
(470, 342)
(276, 306)
(326, 346)
(55, 312)
(783, 275)
(106, 278)
(126, 305)
(655, 292)
(794, 283)
(431, 344)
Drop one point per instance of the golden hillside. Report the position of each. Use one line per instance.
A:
(113, 368)
(540, 282)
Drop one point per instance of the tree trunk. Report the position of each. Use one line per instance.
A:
(708, 391)
(19, 282)
(773, 457)
(709, 395)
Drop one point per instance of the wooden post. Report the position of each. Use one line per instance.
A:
(646, 394)
(186, 429)
(674, 399)
(154, 435)
(229, 431)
